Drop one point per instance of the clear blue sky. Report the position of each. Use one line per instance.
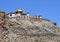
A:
(49, 9)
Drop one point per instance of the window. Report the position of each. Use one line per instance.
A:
(10, 14)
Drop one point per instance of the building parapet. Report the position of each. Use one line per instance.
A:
(27, 17)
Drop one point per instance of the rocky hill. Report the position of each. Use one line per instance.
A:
(20, 30)
(28, 30)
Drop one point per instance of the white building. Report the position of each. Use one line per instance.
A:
(19, 12)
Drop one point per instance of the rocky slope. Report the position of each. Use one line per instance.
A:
(23, 30)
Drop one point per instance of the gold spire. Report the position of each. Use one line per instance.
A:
(19, 10)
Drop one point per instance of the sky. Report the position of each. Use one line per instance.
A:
(49, 9)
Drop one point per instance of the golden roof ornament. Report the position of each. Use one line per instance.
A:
(19, 10)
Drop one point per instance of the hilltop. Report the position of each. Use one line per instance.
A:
(20, 27)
